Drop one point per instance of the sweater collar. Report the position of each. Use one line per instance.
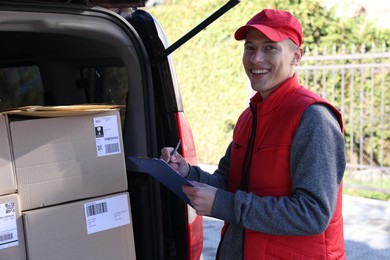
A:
(276, 97)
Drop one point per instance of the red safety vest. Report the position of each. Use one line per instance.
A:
(276, 123)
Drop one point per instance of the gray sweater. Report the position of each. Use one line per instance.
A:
(317, 164)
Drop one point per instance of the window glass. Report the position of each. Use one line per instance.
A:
(20, 86)
(106, 85)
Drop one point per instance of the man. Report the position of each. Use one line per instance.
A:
(278, 187)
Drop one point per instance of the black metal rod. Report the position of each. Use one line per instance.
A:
(230, 4)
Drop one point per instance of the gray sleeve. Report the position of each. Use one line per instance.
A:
(317, 162)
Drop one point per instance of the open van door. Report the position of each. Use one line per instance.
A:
(71, 52)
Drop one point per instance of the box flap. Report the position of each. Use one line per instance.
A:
(59, 111)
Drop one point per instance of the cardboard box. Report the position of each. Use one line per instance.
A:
(62, 159)
(92, 229)
(12, 246)
(7, 175)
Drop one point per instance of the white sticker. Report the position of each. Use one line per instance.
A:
(107, 135)
(8, 228)
(107, 213)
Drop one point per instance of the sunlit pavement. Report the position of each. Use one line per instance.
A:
(366, 229)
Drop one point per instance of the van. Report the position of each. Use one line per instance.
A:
(63, 53)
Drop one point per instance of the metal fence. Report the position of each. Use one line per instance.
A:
(357, 81)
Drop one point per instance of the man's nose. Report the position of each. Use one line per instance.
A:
(257, 57)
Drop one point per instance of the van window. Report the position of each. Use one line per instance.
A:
(106, 84)
(20, 86)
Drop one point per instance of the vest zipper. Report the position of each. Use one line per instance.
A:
(246, 167)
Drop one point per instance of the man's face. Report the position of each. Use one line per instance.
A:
(268, 63)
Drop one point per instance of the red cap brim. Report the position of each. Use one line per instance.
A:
(270, 33)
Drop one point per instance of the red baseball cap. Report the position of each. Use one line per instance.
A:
(276, 25)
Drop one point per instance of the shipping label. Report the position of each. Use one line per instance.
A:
(8, 227)
(107, 213)
(107, 135)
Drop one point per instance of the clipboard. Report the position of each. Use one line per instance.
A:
(162, 172)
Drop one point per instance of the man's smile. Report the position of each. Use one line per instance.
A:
(262, 71)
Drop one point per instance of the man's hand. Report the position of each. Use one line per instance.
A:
(201, 196)
(176, 161)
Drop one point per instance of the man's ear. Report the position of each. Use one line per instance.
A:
(294, 61)
(298, 53)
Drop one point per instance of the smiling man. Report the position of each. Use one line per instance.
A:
(278, 187)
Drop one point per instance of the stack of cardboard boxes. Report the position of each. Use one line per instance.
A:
(63, 188)
(11, 227)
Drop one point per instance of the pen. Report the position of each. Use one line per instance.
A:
(177, 147)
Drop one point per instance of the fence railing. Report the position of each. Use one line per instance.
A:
(357, 81)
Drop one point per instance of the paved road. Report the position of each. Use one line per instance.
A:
(366, 230)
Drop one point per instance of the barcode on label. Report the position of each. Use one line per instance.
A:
(96, 209)
(6, 237)
(112, 148)
(111, 138)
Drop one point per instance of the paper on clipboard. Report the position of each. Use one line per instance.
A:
(163, 173)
